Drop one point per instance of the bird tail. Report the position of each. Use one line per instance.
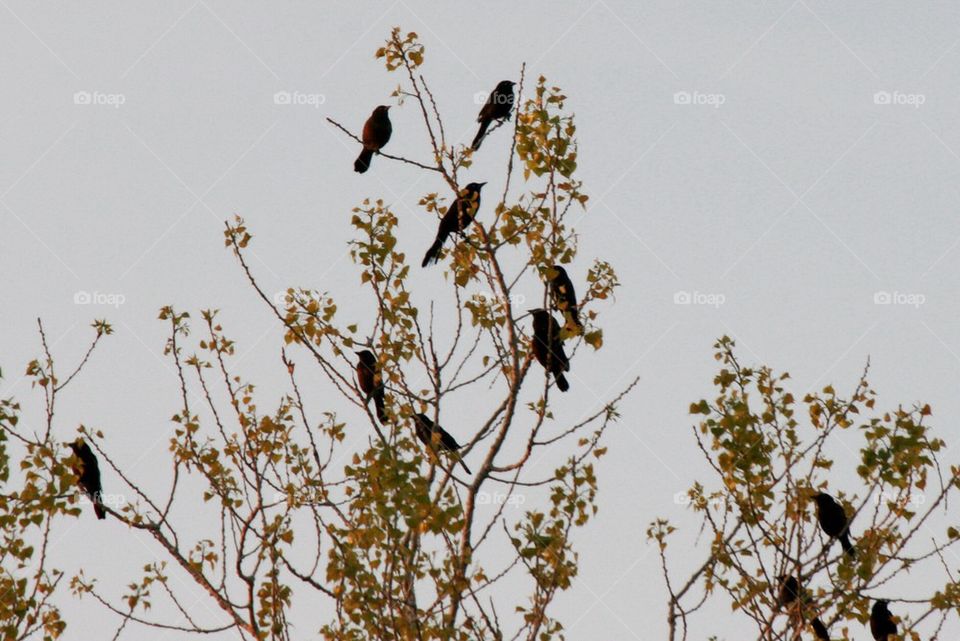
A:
(381, 407)
(460, 460)
(433, 252)
(847, 546)
(562, 382)
(480, 134)
(98, 508)
(363, 161)
(819, 629)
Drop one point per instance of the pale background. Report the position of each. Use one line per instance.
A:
(793, 202)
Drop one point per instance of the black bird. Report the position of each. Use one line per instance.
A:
(819, 629)
(371, 382)
(376, 134)
(881, 621)
(833, 521)
(458, 217)
(564, 296)
(789, 590)
(432, 435)
(498, 107)
(88, 473)
(548, 348)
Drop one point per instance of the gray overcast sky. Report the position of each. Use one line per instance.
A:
(788, 190)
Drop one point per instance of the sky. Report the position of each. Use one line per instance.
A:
(782, 172)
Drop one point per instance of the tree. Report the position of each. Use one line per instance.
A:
(396, 542)
(770, 458)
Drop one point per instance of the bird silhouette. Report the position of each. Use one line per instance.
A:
(371, 382)
(833, 521)
(458, 217)
(88, 472)
(564, 296)
(498, 107)
(434, 436)
(548, 348)
(376, 134)
(881, 621)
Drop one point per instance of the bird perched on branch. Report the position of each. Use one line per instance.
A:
(434, 437)
(834, 521)
(789, 590)
(376, 134)
(498, 107)
(88, 475)
(548, 348)
(564, 296)
(881, 621)
(458, 217)
(371, 382)
(788, 594)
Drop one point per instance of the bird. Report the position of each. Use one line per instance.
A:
(564, 296)
(498, 107)
(458, 217)
(819, 629)
(789, 590)
(371, 382)
(833, 521)
(376, 134)
(432, 435)
(548, 348)
(88, 474)
(881, 621)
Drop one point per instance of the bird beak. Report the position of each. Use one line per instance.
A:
(482, 184)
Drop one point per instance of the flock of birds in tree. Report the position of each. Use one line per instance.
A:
(547, 347)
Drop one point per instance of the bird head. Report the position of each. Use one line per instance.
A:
(366, 356)
(475, 187)
(382, 110)
(822, 498)
(880, 606)
(77, 446)
(559, 271)
(506, 85)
